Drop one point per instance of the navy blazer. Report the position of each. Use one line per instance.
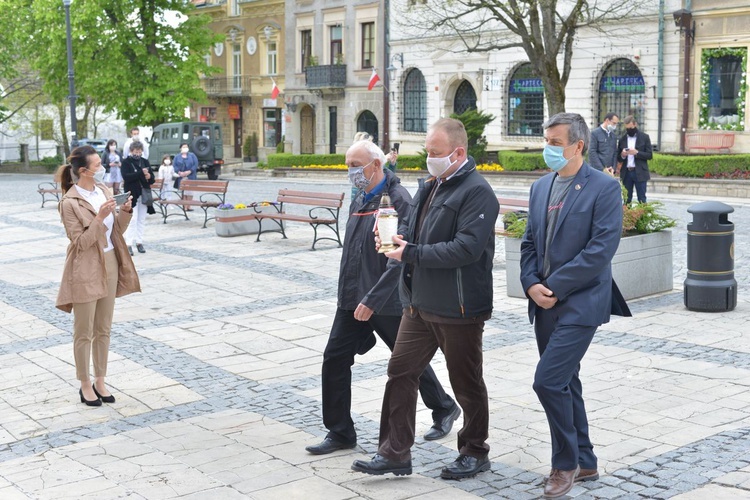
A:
(584, 241)
(645, 153)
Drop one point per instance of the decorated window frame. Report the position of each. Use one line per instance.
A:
(704, 121)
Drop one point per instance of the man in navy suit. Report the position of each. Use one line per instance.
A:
(573, 230)
(634, 152)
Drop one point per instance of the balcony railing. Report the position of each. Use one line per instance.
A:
(329, 76)
(220, 86)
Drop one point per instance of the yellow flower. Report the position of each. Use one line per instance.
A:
(240, 205)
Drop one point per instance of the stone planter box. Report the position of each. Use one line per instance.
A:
(641, 266)
(240, 222)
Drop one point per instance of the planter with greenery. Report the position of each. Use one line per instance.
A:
(641, 266)
(250, 148)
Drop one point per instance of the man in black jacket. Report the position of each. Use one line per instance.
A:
(447, 248)
(368, 301)
(634, 153)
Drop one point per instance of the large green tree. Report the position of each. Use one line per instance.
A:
(140, 58)
(545, 29)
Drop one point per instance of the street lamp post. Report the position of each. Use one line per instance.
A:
(71, 80)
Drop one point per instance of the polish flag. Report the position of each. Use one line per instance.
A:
(373, 79)
(275, 90)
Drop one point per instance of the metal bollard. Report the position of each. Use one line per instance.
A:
(710, 285)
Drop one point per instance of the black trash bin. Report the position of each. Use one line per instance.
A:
(710, 285)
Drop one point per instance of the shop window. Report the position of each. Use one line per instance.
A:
(723, 89)
(622, 91)
(271, 127)
(525, 103)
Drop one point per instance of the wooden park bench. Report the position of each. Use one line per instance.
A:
(209, 194)
(324, 212)
(50, 191)
(714, 141)
(508, 205)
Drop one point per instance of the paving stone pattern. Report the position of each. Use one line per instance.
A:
(216, 367)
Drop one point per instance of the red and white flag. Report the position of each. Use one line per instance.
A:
(373, 79)
(275, 90)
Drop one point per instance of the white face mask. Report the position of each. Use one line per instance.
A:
(438, 166)
(113, 148)
(167, 162)
(185, 150)
(99, 175)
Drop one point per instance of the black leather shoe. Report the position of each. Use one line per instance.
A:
(441, 428)
(368, 344)
(465, 466)
(140, 248)
(329, 445)
(381, 465)
(105, 399)
(95, 402)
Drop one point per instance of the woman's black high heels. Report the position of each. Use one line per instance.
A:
(96, 402)
(106, 399)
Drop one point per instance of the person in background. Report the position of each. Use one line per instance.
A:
(635, 152)
(368, 301)
(603, 149)
(167, 174)
(186, 166)
(112, 161)
(138, 176)
(135, 136)
(97, 266)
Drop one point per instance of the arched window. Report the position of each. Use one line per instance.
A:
(367, 122)
(415, 102)
(622, 91)
(465, 98)
(525, 102)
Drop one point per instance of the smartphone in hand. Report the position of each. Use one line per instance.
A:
(121, 198)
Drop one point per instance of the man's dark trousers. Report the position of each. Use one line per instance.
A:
(418, 340)
(347, 335)
(630, 180)
(559, 389)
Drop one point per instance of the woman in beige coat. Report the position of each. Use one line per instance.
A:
(97, 269)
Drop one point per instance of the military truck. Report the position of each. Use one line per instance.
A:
(205, 139)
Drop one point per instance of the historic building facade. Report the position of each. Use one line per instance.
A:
(332, 47)
(251, 56)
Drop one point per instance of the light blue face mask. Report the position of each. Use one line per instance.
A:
(554, 157)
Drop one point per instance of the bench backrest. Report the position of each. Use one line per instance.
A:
(204, 186)
(512, 205)
(157, 185)
(330, 200)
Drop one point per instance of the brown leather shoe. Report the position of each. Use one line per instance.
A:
(560, 482)
(587, 475)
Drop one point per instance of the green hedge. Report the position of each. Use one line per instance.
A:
(519, 162)
(289, 160)
(697, 166)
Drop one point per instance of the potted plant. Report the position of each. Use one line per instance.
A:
(239, 219)
(641, 266)
(250, 148)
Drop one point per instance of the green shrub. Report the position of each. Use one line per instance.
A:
(289, 160)
(280, 145)
(697, 166)
(411, 161)
(475, 122)
(50, 163)
(521, 162)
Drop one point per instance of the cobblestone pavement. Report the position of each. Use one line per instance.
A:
(216, 369)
